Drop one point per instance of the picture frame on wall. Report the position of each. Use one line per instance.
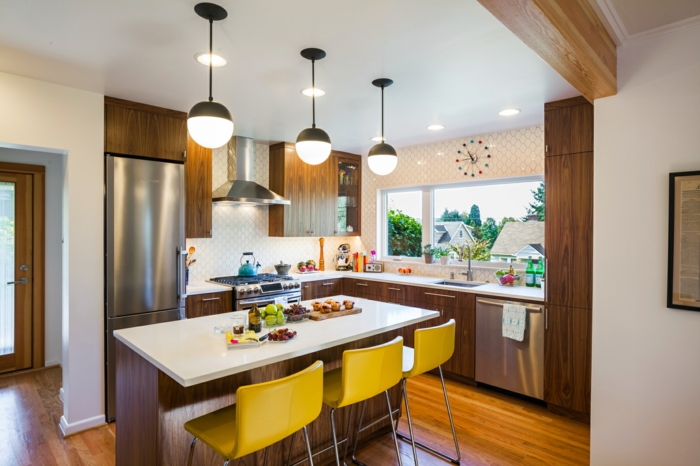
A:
(684, 241)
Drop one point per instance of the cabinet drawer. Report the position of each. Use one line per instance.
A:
(208, 304)
(397, 294)
(359, 288)
(436, 298)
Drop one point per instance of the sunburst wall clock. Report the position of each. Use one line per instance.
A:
(473, 158)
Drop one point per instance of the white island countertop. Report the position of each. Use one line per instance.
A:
(489, 289)
(191, 352)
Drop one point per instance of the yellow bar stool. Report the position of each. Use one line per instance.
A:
(240, 429)
(433, 347)
(365, 373)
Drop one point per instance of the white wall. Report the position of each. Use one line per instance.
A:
(646, 366)
(61, 120)
(54, 248)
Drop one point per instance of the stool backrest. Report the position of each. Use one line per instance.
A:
(432, 347)
(370, 371)
(269, 412)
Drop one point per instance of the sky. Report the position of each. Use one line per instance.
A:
(496, 201)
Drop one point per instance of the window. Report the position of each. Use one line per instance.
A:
(503, 219)
(404, 227)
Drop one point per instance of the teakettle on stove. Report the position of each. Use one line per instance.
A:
(343, 260)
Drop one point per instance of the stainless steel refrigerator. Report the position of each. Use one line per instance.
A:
(144, 250)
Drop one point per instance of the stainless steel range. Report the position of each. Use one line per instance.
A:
(261, 289)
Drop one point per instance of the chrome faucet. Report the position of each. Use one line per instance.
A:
(469, 273)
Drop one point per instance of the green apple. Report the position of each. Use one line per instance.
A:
(270, 309)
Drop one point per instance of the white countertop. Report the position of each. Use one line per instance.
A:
(489, 289)
(191, 352)
(205, 287)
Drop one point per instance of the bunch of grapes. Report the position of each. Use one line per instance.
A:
(282, 334)
(296, 309)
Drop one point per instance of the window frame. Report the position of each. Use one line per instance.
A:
(428, 201)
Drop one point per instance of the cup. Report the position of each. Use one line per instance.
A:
(238, 324)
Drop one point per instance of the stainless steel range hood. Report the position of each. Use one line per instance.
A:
(240, 187)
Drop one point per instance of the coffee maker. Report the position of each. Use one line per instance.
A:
(343, 260)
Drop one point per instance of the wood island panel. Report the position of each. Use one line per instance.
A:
(153, 408)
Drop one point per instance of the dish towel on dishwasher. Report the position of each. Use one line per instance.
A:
(514, 318)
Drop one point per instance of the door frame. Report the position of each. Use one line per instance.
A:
(38, 173)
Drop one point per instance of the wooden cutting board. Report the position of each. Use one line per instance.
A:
(317, 315)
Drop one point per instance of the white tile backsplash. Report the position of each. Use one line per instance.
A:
(237, 229)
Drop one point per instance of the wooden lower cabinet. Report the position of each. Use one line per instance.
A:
(360, 288)
(321, 289)
(209, 304)
(567, 358)
(462, 362)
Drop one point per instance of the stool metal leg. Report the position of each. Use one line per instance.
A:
(410, 422)
(357, 435)
(452, 425)
(308, 447)
(189, 458)
(335, 438)
(393, 430)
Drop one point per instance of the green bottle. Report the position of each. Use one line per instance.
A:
(539, 272)
(529, 273)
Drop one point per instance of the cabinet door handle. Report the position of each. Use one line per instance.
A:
(440, 295)
(306, 286)
(211, 299)
(546, 318)
(544, 280)
(395, 289)
(329, 284)
(361, 284)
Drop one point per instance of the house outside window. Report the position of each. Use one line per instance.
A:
(501, 219)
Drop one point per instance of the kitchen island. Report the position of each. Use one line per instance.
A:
(170, 373)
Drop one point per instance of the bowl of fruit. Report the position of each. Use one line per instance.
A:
(506, 277)
(281, 335)
(307, 267)
(273, 315)
(297, 313)
(404, 271)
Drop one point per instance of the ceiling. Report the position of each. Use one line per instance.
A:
(452, 62)
(632, 20)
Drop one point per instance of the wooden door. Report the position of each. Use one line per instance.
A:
(327, 197)
(16, 271)
(463, 360)
(297, 181)
(567, 358)
(142, 130)
(198, 189)
(209, 304)
(569, 230)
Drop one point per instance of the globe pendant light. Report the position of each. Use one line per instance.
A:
(210, 123)
(382, 158)
(313, 144)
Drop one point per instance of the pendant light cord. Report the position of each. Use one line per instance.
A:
(382, 114)
(211, 54)
(313, 94)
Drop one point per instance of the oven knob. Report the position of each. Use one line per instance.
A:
(285, 286)
(249, 290)
(241, 291)
(257, 290)
(296, 285)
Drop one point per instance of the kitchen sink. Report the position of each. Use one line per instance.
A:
(460, 284)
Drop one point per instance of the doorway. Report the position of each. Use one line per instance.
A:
(21, 266)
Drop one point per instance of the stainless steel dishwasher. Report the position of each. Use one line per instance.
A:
(513, 365)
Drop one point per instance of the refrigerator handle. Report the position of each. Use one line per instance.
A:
(181, 258)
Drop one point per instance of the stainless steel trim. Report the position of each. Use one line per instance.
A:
(247, 304)
(441, 295)
(21, 281)
(500, 303)
(210, 299)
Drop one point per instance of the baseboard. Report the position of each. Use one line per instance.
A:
(52, 362)
(569, 413)
(75, 428)
(61, 395)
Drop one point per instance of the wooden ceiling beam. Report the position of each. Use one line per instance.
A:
(569, 36)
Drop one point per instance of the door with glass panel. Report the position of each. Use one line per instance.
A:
(16, 274)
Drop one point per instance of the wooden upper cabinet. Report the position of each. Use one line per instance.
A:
(348, 181)
(567, 349)
(568, 127)
(312, 190)
(144, 130)
(569, 230)
(198, 189)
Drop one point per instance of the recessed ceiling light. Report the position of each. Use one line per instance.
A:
(377, 139)
(308, 91)
(203, 58)
(509, 112)
(436, 127)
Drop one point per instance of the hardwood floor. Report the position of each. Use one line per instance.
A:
(492, 429)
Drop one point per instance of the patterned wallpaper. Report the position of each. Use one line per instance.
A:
(237, 229)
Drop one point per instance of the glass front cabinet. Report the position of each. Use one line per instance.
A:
(349, 181)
